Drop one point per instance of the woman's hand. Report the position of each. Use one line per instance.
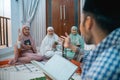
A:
(29, 47)
(66, 40)
(26, 47)
(67, 44)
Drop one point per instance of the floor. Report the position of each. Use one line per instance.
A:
(11, 54)
(7, 56)
(1, 47)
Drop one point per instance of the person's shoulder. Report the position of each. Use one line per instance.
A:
(106, 64)
(115, 49)
(55, 35)
(79, 36)
(44, 39)
(112, 53)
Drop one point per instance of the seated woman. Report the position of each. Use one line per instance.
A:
(50, 44)
(25, 49)
(76, 40)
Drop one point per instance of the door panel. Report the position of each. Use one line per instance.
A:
(62, 15)
(57, 16)
(68, 15)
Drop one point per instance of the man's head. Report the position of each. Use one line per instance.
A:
(99, 15)
(50, 30)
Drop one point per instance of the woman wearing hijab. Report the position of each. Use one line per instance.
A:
(76, 40)
(25, 49)
(49, 45)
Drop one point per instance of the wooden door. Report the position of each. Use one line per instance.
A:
(57, 15)
(63, 15)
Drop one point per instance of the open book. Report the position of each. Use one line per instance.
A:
(57, 68)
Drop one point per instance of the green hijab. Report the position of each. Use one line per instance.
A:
(76, 39)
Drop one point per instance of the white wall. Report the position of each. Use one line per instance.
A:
(15, 22)
(15, 19)
(38, 26)
(5, 9)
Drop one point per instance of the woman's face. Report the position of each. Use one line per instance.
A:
(50, 32)
(26, 31)
(73, 31)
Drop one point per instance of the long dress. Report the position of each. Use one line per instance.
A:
(46, 48)
(21, 52)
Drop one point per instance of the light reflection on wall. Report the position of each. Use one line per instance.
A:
(5, 8)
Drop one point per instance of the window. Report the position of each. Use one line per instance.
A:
(5, 23)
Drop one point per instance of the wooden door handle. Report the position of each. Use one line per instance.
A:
(64, 7)
(60, 12)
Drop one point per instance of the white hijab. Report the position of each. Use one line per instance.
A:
(48, 41)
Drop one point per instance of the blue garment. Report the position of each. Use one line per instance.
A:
(69, 54)
(103, 63)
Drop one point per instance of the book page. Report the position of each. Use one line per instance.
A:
(58, 68)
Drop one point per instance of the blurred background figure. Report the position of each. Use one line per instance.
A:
(25, 48)
(50, 44)
(76, 40)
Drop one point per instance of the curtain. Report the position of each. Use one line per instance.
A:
(33, 14)
(29, 8)
(38, 25)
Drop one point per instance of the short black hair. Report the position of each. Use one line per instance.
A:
(105, 12)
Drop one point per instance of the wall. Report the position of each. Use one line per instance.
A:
(39, 23)
(15, 19)
(15, 22)
(5, 8)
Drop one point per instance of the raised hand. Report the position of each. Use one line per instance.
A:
(66, 40)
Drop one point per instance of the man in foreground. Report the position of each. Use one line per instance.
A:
(100, 25)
